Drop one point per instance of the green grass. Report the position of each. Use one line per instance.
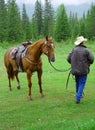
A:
(57, 110)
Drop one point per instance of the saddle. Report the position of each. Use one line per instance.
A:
(17, 54)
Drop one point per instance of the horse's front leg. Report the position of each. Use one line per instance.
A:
(40, 82)
(29, 84)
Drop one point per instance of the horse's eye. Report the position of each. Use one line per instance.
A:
(48, 47)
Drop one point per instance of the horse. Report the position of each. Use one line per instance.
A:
(31, 62)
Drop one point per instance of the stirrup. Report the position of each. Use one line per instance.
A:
(19, 69)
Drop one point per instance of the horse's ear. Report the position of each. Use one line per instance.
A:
(51, 38)
(47, 38)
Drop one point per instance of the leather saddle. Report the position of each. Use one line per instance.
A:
(18, 53)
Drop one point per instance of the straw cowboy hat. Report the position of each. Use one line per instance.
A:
(79, 40)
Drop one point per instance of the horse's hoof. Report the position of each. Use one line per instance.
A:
(10, 89)
(18, 87)
(30, 99)
(42, 95)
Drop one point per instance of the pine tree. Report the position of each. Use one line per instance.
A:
(48, 19)
(34, 28)
(90, 22)
(75, 26)
(3, 21)
(37, 20)
(83, 26)
(62, 28)
(72, 23)
(38, 16)
(26, 24)
(15, 32)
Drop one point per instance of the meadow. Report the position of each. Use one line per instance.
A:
(57, 110)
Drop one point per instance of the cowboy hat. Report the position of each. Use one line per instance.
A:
(79, 40)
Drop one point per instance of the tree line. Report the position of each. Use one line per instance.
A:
(15, 26)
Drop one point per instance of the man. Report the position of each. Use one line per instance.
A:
(80, 59)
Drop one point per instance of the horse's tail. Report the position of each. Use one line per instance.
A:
(8, 65)
(11, 72)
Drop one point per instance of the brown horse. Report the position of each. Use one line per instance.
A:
(31, 62)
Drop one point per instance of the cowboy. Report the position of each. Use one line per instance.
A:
(80, 59)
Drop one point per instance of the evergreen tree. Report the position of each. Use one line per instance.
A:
(15, 32)
(76, 26)
(34, 28)
(26, 24)
(3, 21)
(37, 20)
(38, 16)
(71, 21)
(90, 23)
(82, 26)
(62, 28)
(48, 19)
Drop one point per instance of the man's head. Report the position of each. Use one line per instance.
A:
(80, 40)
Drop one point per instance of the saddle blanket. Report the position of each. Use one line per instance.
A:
(17, 54)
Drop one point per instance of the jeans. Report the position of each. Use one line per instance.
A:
(80, 84)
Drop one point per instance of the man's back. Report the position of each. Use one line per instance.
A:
(80, 60)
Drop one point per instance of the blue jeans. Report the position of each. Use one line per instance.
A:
(80, 84)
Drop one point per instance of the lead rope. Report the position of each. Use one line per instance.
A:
(68, 82)
(68, 79)
(65, 70)
(68, 74)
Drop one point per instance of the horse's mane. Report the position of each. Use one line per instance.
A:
(35, 45)
(37, 42)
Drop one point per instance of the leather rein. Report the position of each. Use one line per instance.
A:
(65, 70)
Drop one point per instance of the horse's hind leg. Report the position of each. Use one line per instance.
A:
(9, 79)
(16, 75)
(40, 82)
(10, 88)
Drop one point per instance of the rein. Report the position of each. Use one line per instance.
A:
(65, 70)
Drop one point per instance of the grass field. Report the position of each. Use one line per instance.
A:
(57, 110)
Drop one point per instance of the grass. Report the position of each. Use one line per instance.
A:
(57, 110)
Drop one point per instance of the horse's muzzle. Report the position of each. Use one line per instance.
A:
(52, 59)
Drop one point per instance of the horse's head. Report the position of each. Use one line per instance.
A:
(48, 49)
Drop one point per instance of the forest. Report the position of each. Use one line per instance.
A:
(16, 26)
